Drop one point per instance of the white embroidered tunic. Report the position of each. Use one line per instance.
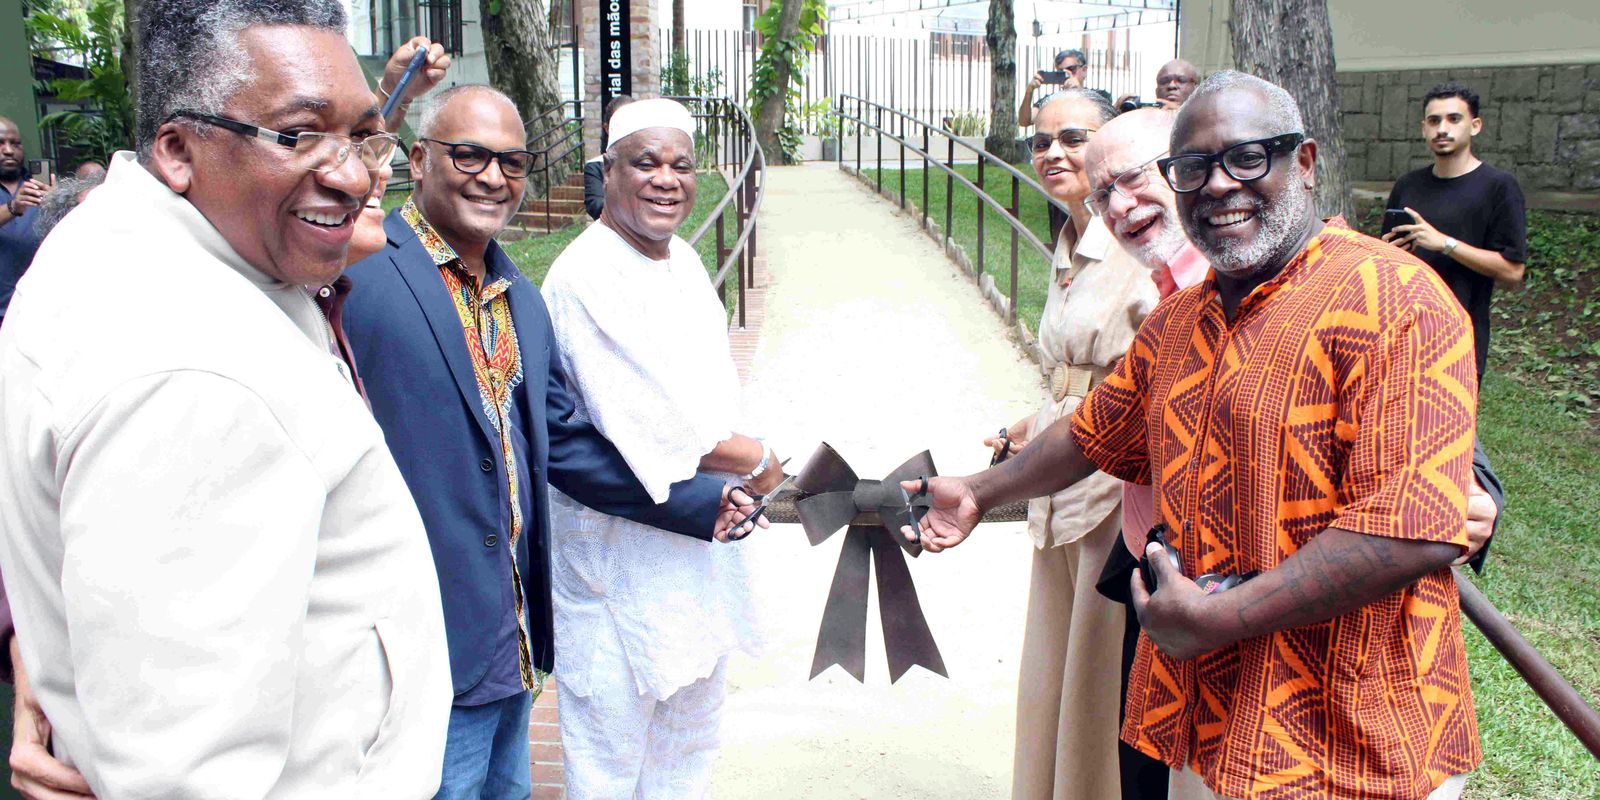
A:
(644, 344)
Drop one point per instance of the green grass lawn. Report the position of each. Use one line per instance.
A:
(1540, 422)
(1033, 270)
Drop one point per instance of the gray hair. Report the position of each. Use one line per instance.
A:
(1281, 107)
(1082, 59)
(61, 200)
(1095, 99)
(435, 104)
(189, 56)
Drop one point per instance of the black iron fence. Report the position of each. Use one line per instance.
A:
(924, 142)
(940, 77)
(726, 141)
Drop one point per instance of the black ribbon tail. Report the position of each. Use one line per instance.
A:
(843, 637)
(907, 640)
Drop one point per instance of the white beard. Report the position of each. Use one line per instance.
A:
(1280, 225)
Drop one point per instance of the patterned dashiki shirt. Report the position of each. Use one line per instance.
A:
(485, 314)
(1342, 394)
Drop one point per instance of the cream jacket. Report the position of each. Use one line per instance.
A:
(1091, 321)
(221, 585)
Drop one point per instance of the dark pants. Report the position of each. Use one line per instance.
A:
(1143, 777)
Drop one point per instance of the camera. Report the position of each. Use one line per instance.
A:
(1132, 103)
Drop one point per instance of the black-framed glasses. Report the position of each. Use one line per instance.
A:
(1125, 184)
(473, 158)
(1073, 68)
(1072, 140)
(318, 152)
(1244, 162)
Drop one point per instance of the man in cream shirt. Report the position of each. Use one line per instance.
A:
(221, 585)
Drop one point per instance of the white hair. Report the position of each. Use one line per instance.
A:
(1282, 110)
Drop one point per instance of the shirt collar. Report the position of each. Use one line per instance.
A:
(498, 267)
(1188, 266)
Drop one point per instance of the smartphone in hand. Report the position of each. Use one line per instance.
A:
(1396, 216)
(1057, 76)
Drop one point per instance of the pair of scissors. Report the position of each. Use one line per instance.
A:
(761, 503)
(911, 511)
(1005, 448)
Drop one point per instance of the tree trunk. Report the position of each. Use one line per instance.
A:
(770, 116)
(522, 63)
(1290, 43)
(130, 49)
(1001, 37)
(677, 26)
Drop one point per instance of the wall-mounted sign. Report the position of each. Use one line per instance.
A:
(616, 56)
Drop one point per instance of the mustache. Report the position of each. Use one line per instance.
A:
(1205, 206)
(1137, 219)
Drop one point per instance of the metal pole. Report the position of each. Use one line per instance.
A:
(1543, 678)
(949, 184)
(925, 169)
(1015, 205)
(878, 129)
(722, 256)
(979, 197)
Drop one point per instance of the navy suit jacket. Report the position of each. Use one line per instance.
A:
(408, 344)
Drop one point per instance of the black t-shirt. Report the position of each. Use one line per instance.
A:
(1482, 208)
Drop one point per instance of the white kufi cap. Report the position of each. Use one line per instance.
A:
(657, 112)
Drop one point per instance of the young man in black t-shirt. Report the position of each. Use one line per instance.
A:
(1469, 221)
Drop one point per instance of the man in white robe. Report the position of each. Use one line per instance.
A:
(646, 619)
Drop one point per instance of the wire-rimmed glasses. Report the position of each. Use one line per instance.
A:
(315, 151)
(1126, 183)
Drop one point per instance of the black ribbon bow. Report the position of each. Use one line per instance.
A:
(874, 511)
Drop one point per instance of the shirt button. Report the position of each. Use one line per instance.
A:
(490, 540)
(325, 291)
(486, 465)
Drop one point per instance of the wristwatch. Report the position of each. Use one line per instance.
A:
(1449, 244)
(766, 461)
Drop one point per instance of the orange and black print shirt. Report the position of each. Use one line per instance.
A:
(1341, 395)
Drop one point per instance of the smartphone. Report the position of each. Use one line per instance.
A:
(1053, 76)
(41, 169)
(1396, 216)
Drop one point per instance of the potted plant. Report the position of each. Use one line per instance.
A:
(822, 122)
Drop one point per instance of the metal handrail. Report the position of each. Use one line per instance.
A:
(1011, 214)
(745, 193)
(1536, 671)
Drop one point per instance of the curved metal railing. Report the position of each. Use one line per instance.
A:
(726, 140)
(986, 161)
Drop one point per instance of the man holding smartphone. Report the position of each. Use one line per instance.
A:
(1463, 217)
(1071, 65)
(20, 194)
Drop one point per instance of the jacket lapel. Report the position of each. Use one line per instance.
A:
(422, 276)
(533, 339)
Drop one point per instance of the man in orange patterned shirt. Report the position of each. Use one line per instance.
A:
(1306, 417)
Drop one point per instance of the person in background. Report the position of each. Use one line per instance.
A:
(20, 195)
(646, 620)
(88, 170)
(594, 174)
(1175, 82)
(1067, 695)
(67, 194)
(1468, 217)
(1071, 62)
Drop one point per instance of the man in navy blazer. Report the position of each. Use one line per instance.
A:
(456, 350)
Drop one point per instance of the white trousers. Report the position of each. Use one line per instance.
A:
(1186, 785)
(619, 745)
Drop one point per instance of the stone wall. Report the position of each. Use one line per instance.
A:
(1541, 123)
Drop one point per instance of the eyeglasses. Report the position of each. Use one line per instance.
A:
(473, 159)
(1072, 140)
(1125, 184)
(1244, 162)
(318, 152)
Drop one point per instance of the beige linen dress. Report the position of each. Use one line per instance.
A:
(1068, 694)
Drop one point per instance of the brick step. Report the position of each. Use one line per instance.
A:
(558, 206)
(568, 192)
(535, 224)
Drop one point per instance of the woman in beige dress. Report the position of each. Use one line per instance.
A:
(1069, 695)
